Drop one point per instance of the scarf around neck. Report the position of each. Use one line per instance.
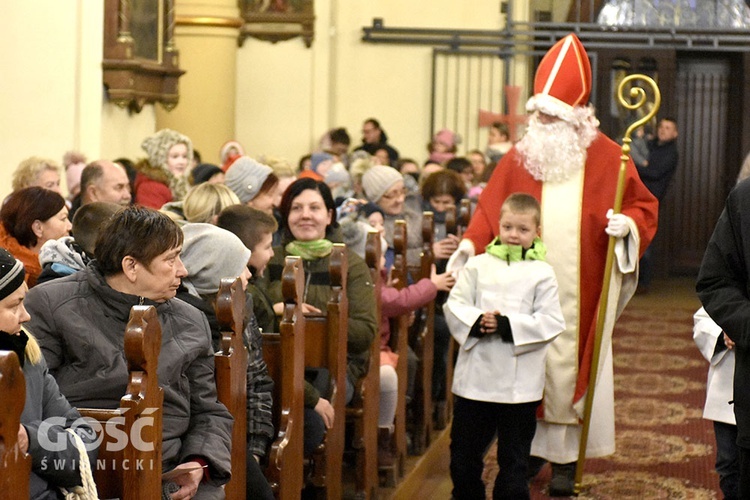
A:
(310, 250)
(516, 253)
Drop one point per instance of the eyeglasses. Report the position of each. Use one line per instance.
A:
(399, 193)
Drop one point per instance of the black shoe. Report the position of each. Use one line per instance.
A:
(562, 483)
(535, 466)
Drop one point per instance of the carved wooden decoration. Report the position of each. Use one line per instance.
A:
(141, 63)
(278, 20)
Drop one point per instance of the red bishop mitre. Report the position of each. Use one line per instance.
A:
(563, 79)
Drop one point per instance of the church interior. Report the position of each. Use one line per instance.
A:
(277, 75)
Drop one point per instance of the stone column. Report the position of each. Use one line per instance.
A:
(205, 34)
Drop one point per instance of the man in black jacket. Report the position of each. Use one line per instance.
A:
(656, 173)
(375, 138)
(722, 286)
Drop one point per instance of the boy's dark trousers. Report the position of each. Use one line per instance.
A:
(475, 424)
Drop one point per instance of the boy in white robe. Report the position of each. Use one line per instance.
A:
(718, 349)
(503, 311)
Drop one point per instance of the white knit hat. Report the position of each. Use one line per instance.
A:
(245, 177)
(378, 180)
(157, 146)
(211, 253)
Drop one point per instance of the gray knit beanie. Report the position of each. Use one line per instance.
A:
(211, 253)
(378, 180)
(338, 174)
(157, 146)
(245, 177)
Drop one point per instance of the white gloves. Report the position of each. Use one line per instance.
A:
(458, 260)
(617, 225)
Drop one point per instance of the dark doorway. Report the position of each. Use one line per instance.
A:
(696, 91)
(705, 172)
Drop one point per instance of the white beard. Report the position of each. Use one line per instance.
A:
(553, 151)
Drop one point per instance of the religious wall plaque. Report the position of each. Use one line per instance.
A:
(277, 20)
(141, 62)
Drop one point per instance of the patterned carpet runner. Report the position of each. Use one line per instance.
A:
(665, 450)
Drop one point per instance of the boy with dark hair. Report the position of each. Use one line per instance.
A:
(71, 254)
(255, 229)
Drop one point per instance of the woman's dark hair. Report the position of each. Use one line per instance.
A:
(24, 207)
(444, 182)
(295, 189)
(140, 232)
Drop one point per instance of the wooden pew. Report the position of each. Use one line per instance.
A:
(231, 377)
(134, 472)
(399, 345)
(444, 409)
(365, 407)
(15, 467)
(283, 354)
(462, 223)
(325, 346)
(422, 340)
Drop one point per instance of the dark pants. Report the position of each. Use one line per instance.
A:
(744, 456)
(475, 424)
(314, 432)
(257, 485)
(440, 361)
(314, 428)
(727, 463)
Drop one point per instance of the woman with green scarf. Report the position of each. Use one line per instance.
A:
(309, 230)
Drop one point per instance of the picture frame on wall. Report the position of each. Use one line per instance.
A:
(278, 20)
(140, 62)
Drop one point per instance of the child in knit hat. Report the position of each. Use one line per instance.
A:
(320, 164)
(443, 146)
(339, 180)
(230, 151)
(209, 254)
(162, 176)
(254, 183)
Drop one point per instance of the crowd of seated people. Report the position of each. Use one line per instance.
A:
(163, 231)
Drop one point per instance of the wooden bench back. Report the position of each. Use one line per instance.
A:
(15, 467)
(456, 222)
(325, 346)
(399, 342)
(133, 471)
(423, 344)
(284, 356)
(231, 377)
(365, 408)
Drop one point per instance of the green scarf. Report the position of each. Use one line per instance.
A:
(516, 253)
(310, 250)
